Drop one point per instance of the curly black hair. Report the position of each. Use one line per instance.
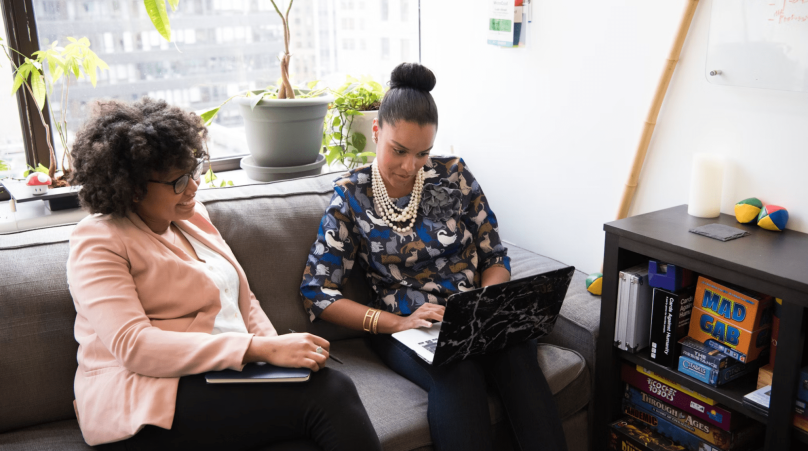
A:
(122, 144)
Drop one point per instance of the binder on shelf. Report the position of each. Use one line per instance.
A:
(670, 320)
(632, 325)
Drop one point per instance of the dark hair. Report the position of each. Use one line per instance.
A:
(408, 98)
(122, 144)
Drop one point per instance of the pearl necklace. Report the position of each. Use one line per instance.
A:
(391, 214)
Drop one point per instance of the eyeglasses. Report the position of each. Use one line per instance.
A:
(182, 182)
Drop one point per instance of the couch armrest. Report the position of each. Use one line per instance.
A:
(579, 321)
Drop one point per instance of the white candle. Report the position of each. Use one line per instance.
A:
(706, 181)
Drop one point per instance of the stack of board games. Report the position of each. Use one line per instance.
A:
(683, 416)
(711, 366)
(686, 429)
(735, 321)
(700, 407)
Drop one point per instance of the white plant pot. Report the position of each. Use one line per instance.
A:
(364, 124)
(284, 133)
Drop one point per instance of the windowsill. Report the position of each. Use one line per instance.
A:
(32, 215)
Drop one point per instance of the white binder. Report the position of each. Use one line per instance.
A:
(632, 331)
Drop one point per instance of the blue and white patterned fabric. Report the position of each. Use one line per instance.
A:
(455, 238)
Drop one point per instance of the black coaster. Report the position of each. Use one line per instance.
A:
(720, 232)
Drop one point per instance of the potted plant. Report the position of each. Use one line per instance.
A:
(74, 60)
(349, 122)
(283, 123)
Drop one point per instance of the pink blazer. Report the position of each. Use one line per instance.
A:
(145, 310)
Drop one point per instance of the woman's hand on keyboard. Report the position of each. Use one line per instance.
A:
(423, 317)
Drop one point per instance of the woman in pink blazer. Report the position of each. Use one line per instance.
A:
(160, 299)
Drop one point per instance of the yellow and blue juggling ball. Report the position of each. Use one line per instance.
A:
(594, 283)
(747, 210)
(773, 217)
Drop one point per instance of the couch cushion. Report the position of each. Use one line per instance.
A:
(405, 427)
(274, 257)
(37, 348)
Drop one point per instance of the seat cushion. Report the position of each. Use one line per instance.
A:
(37, 348)
(405, 427)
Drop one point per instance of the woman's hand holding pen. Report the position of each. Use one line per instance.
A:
(289, 350)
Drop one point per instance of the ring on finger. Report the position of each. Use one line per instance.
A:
(319, 350)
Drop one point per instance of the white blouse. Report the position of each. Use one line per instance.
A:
(224, 275)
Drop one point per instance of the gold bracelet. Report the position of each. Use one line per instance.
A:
(376, 321)
(369, 317)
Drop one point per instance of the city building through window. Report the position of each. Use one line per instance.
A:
(219, 48)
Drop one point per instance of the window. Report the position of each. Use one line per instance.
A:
(385, 5)
(219, 48)
(385, 48)
(12, 149)
(405, 11)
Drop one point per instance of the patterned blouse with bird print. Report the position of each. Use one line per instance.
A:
(455, 238)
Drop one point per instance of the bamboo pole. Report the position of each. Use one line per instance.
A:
(653, 113)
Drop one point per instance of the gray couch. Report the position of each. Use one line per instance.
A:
(270, 228)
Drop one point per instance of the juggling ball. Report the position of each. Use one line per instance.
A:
(594, 283)
(773, 217)
(747, 210)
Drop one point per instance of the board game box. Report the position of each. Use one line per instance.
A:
(716, 415)
(627, 434)
(745, 440)
(735, 319)
(712, 376)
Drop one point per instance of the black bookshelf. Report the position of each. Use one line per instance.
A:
(774, 263)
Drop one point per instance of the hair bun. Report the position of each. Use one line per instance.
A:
(412, 75)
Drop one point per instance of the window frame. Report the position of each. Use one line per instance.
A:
(18, 17)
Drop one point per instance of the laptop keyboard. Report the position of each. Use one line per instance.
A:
(430, 345)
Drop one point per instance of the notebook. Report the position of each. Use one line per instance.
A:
(258, 372)
(490, 318)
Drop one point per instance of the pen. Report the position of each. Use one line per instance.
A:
(329, 353)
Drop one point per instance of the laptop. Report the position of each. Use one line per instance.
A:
(491, 318)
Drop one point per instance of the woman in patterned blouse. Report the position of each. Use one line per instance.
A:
(423, 230)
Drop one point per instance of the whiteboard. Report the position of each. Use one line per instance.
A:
(759, 44)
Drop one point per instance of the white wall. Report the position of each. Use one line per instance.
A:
(550, 130)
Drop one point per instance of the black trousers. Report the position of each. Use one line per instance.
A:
(325, 412)
(458, 413)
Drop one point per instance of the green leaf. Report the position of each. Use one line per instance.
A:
(223, 184)
(254, 101)
(42, 169)
(333, 154)
(336, 122)
(367, 154)
(229, 183)
(38, 88)
(359, 141)
(312, 84)
(17, 83)
(3, 165)
(159, 17)
(337, 135)
(207, 116)
(210, 176)
(174, 4)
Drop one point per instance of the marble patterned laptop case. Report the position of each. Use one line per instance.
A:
(489, 319)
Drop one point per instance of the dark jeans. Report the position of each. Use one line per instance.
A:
(458, 404)
(325, 410)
